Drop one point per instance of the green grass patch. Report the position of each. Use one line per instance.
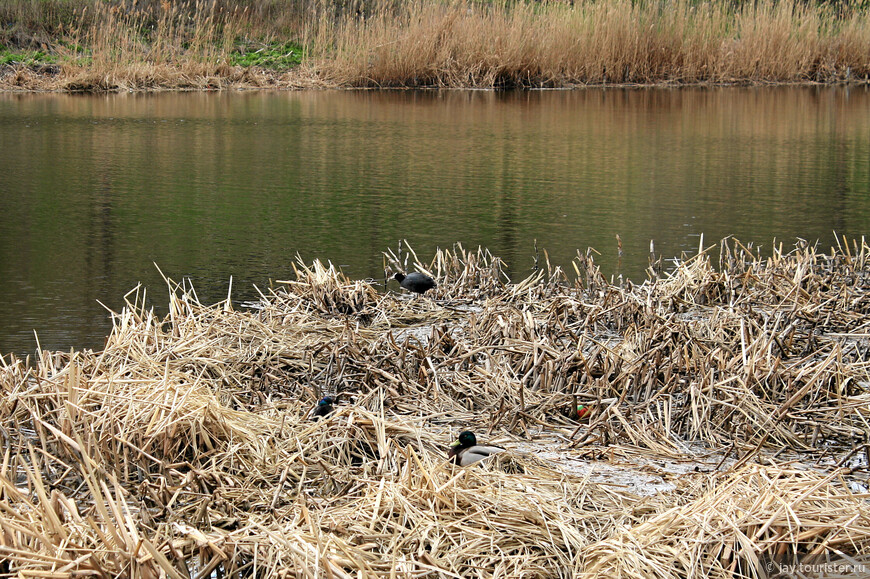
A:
(275, 55)
(26, 57)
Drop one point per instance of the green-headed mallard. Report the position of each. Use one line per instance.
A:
(323, 408)
(466, 451)
(415, 282)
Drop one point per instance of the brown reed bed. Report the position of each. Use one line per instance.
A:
(101, 45)
(617, 42)
(184, 447)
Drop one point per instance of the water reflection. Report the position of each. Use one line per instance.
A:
(97, 189)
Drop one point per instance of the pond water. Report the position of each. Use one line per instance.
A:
(96, 190)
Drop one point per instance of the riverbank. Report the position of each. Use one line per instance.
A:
(185, 446)
(93, 45)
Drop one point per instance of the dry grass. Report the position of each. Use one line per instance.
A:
(466, 44)
(183, 47)
(473, 45)
(184, 446)
(103, 46)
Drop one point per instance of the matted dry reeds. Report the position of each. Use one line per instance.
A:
(185, 449)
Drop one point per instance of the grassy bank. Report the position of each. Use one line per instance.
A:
(184, 446)
(97, 45)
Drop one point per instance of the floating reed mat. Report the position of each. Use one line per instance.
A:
(185, 448)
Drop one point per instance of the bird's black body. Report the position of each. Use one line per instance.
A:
(323, 408)
(466, 451)
(415, 282)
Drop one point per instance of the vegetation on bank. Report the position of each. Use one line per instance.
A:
(112, 45)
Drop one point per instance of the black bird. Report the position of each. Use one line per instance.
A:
(323, 408)
(466, 451)
(415, 282)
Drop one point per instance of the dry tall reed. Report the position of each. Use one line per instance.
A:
(184, 447)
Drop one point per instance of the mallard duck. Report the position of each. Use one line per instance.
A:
(466, 451)
(415, 282)
(323, 408)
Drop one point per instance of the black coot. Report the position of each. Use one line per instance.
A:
(415, 282)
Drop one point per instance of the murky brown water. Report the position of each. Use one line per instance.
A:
(96, 189)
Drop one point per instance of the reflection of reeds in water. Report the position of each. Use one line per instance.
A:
(185, 446)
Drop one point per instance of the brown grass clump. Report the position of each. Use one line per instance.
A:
(184, 447)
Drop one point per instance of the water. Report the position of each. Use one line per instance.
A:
(96, 190)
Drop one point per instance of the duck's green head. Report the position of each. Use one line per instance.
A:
(466, 439)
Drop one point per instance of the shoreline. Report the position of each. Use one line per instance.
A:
(26, 80)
